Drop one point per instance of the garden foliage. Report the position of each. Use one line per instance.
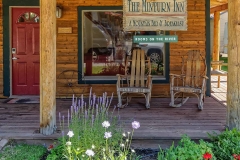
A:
(94, 132)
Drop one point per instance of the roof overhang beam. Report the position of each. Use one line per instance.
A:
(219, 8)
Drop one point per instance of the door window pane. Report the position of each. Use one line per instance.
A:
(28, 17)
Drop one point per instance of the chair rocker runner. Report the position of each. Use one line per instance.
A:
(192, 80)
(137, 77)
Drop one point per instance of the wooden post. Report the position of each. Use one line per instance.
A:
(233, 81)
(216, 40)
(47, 66)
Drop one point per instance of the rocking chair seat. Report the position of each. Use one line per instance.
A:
(134, 89)
(187, 89)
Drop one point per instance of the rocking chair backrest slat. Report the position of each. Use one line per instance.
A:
(197, 58)
(193, 70)
(138, 68)
(142, 68)
(133, 68)
(189, 69)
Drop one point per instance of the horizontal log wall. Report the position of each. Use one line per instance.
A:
(67, 45)
(67, 48)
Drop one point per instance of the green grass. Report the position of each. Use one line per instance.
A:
(22, 152)
(225, 59)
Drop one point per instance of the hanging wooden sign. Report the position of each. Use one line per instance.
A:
(154, 15)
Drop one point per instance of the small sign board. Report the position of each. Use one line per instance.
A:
(154, 39)
(154, 15)
(64, 29)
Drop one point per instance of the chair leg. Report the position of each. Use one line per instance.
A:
(200, 101)
(148, 97)
(119, 100)
(172, 104)
(218, 81)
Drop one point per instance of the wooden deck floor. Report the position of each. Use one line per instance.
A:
(21, 121)
(159, 123)
(219, 93)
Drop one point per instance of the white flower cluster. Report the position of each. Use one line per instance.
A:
(107, 135)
(70, 134)
(90, 153)
(105, 124)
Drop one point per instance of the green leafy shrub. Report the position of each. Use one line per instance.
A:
(22, 152)
(226, 144)
(187, 150)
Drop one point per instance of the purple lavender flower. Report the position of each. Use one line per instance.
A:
(94, 99)
(90, 94)
(79, 102)
(92, 119)
(86, 114)
(68, 117)
(82, 101)
(59, 116)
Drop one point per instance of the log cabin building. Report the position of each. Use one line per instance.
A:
(90, 46)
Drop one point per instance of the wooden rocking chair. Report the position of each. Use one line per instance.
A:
(137, 78)
(192, 80)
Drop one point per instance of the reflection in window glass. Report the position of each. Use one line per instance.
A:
(29, 17)
(105, 45)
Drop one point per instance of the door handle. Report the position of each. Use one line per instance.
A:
(14, 58)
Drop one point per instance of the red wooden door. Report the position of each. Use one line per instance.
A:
(25, 51)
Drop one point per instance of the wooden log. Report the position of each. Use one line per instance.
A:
(220, 8)
(233, 82)
(47, 66)
(216, 40)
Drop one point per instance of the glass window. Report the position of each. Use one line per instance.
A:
(28, 17)
(104, 46)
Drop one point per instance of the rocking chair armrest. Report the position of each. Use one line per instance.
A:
(122, 76)
(177, 75)
(205, 77)
(120, 79)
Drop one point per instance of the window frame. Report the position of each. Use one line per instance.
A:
(84, 79)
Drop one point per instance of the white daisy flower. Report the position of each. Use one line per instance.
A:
(90, 153)
(105, 124)
(70, 134)
(68, 143)
(107, 135)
